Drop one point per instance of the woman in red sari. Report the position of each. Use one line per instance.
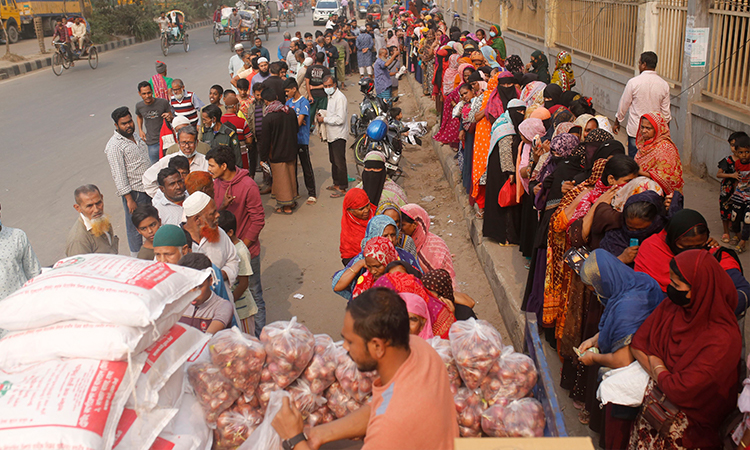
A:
(357, 211)
(691, 347)
(657, 155)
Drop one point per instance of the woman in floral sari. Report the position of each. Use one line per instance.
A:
(563, 75)
(657, 155)
(449, 125)
(427, 55)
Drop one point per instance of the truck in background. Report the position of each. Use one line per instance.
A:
(20, 15)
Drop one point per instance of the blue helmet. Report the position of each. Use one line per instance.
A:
(377, 130)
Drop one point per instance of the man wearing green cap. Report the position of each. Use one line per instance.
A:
(171, 244)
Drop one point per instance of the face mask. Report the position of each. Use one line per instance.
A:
(188, 156)
(329, 90)
(679, 298)
(492, 34)
(180, 97)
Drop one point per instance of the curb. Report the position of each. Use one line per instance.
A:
(499, 263)
(46, 61)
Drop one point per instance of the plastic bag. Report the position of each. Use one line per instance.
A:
(304, 398)
(235, 425)
(263, 392)
(289, 349)
(358, 385)
(469, 412)
(507, 196)
(321, 372)
(239, 357)
(215, 393)
(187, 430)
(339, 402)
(265, 436)
(443, 349)
(320, 416)
(511, 377)
(519, 418)
(476, 345)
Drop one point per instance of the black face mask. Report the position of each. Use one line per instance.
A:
(679, 298)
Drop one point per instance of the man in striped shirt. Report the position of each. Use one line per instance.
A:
(185, 103)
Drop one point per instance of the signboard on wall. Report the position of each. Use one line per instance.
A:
(699, 47)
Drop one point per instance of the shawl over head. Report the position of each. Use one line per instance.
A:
(561, 147)
(700, 345)
(659, 156)
(432, 250)
(439, 281)
(628, 298)
(554, 93)
(490, 56)
(417, 306)
(382, 249)
(449, 77)
(615, 241)
(531, 91)
(352, 228)
(514, 64)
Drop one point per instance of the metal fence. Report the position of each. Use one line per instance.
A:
(606, 30)
(671, 38)
(730, 33)
(526, 17)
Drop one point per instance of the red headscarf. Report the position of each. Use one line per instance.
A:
(352, 228)
(700, 345)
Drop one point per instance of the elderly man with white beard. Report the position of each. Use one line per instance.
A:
(203, 226)
(92, 232)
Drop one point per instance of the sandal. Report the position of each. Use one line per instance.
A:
(584, 417)
(725, 238)
(311, 200)
(480, 214)
(739, 249)
(283, 211)
(734, 241)
(338, 193)
(578, 405)
(332, 187)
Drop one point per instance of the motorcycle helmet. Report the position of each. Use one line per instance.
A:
(366, 85)
(377, 130)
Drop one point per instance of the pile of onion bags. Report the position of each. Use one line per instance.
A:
(289, 349)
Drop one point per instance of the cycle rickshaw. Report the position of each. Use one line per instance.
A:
(176, 34)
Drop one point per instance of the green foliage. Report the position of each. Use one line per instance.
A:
(136, 19)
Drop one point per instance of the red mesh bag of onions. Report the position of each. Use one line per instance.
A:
(443, 348)
(235, 425)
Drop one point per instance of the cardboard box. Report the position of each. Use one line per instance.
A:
(543, 443)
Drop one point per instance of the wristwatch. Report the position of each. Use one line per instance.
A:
(289, 444)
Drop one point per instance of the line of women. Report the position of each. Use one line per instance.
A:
(387, 244)
(631, 291)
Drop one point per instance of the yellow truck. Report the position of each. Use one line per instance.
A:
(19, 15)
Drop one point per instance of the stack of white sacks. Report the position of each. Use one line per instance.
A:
(95, 358)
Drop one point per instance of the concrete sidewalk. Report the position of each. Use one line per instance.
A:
(29, 49)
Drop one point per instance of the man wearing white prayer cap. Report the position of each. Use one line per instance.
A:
(235, 62)
(263, 72)
(203, 226)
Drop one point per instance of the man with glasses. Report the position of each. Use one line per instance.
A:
(187, 141)
(185, 103)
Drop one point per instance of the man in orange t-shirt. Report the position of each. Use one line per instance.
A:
(412, 406)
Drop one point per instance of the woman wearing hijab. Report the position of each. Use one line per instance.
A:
(490, 56)
(378, 253)
(691, 346)
(502, 224)
(497, 42)
(514, 64)
(563, 75)
(598, 144)
(552, 95)
(449, 125)
(419, 317)
(403, 240)
(379, 226)
(427, 56)
(657, 155)
(357, 211)
(439, 285)
(628, 299)
(539, 66)
(533, 93)
(588, 123)
(379, 188)
(525, 163)
(432, 251)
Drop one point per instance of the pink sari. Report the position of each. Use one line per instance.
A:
(449, 125)
(432, 251)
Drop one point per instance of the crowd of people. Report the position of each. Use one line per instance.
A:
(623, 278)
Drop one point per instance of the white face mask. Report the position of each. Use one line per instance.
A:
(180, 96)
(330, 90)
(492, 34)
(188, 156)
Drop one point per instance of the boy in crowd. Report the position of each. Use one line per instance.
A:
(741, 195)
(146, 220)
(728, 177)
(210, 313)
(243, 298)
(301, 106)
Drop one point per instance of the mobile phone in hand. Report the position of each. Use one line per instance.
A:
(634, 242)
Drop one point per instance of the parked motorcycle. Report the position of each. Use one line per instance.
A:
(383, 136)
(371, 107)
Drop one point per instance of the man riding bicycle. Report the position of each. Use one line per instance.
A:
(235, 21)
(61, 36)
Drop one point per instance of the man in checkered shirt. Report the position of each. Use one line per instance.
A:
(128, 159)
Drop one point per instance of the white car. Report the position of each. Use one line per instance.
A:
(324, 9)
